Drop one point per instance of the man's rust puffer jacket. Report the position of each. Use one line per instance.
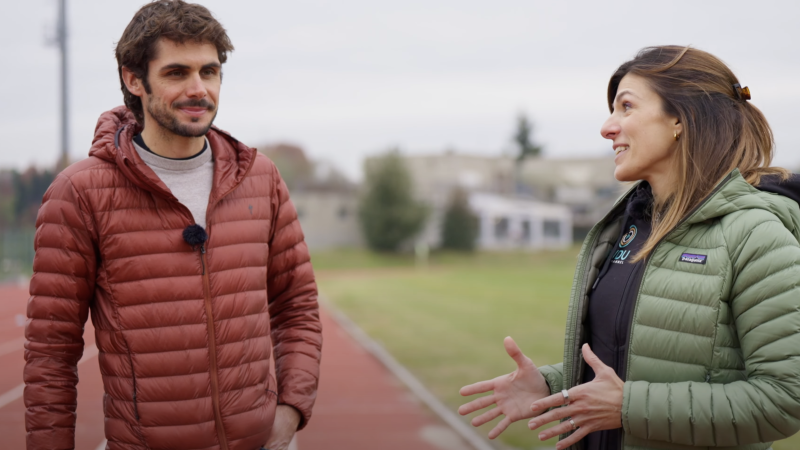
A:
(183, 333)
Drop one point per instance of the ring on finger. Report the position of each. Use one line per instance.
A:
(566, 397)
(572, 422)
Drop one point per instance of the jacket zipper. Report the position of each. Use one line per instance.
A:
(719, 187)
(212, 344)
(212, 352)
(617, 336)
(574, 372)
(212, 349)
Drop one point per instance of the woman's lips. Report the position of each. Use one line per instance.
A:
(619, 151)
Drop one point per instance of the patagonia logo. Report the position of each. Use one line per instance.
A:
(693, 258)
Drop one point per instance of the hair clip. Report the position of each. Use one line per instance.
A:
(743, 93)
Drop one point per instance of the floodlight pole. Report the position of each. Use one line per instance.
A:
(61, 39)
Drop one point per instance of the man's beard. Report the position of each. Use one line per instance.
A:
(168, 120)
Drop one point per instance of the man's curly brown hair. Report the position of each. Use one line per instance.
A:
(175, 20)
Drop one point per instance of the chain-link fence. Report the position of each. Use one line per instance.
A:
(16, 253)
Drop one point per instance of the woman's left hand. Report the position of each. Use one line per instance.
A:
(593, 406)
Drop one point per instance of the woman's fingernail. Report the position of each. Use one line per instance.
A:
(532, 425)
(534, 407)
(541, 437)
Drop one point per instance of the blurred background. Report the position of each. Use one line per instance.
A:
(444, 156)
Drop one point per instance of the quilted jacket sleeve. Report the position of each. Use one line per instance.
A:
(294, 314)
(765, 303)
(61, 289)
(554, 374)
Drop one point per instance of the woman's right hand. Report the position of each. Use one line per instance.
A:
(513, 393)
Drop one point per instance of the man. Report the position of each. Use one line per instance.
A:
(184, 246)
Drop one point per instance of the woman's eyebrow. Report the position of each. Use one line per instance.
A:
(621, 93)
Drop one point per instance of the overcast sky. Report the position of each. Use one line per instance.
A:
(349, 78)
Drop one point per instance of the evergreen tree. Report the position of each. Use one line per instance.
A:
(460, 226)
(524, 139)
(388, 212)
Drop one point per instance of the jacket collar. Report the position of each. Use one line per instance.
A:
(732, 193)
(113, 143)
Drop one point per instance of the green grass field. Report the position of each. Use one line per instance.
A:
(446, 320)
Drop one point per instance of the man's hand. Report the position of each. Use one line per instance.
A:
(283, 429)
(513, 393)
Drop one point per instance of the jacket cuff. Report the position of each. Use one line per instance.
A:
(554, 376)
(298, 389)
(633, 417)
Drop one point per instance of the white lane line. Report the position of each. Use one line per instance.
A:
(447, 414)
(12, 346)
(102, 445)
(12, 395)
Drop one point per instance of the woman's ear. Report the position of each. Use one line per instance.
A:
(678, 127)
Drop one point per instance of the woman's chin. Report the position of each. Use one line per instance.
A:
(622, 175)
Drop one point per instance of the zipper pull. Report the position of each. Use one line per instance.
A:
(203, 260)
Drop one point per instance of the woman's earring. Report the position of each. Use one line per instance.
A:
(676, 136)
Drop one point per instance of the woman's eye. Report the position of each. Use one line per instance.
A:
(626, 106)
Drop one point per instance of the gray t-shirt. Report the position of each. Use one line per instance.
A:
(189, 180)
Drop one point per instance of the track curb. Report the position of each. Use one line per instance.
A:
(467, 433)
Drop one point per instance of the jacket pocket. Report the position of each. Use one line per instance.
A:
(135, 401)
(271, 388)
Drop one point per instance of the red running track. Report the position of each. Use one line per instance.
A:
(360, 405)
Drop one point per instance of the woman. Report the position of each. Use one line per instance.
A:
(682, 328)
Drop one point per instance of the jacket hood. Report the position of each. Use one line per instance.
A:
(735, 194)
(112, 142)
(110, 125)
(788, 188)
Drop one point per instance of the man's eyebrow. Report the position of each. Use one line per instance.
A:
(179, 66)
(175, 66)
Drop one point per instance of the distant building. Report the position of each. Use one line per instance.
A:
(586, 185)
(326, 201)
(506, 221)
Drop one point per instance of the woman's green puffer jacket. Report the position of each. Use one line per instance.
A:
(714, 354)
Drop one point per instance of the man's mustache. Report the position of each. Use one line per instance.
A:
(203, 103)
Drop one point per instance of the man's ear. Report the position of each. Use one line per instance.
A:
(134, 84)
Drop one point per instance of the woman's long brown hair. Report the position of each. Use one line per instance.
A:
(721, 129)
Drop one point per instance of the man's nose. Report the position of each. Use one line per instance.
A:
(196, 88)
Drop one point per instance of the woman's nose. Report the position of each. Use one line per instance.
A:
(610, 128)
